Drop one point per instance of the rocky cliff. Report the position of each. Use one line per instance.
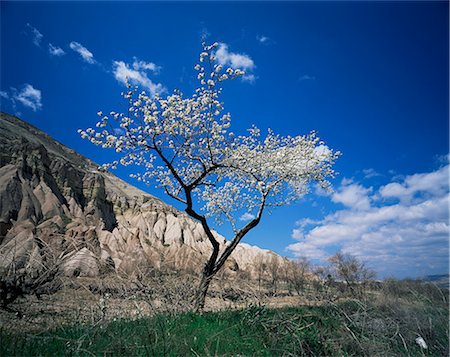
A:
(55, 204)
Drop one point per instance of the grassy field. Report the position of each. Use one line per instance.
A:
(100, 318)
(350, 328)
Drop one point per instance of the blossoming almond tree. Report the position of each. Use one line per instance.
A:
(184, 145)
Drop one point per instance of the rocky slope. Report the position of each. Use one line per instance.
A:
(55, 206)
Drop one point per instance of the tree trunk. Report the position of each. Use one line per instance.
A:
(199, 302)
(215, 262)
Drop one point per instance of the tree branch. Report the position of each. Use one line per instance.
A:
(169, 165)
(239, 235)
(174, 196)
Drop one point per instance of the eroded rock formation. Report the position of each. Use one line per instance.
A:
(56, 205)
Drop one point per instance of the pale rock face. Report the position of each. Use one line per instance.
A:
(81, 263)
(52, 197)
(74, 209)
(173, 234)
(160, 227)
(50, 206)
(10, 197)
(20, 247)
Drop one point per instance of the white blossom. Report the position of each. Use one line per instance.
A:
(185, 145)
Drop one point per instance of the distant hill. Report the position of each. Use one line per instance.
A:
(441, 280)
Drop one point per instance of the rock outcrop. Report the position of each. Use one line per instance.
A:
(54, 200)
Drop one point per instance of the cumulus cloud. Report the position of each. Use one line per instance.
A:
(306, 77)
(250, 78)
(234, 60)
(137, 74)
(83, 52)
(262, 39)
(28, 96)
(352, 195)
(369, 173)
(414, 186)
(401, 229)
(442, 159)
(55, 50)
(142, 65)
(322, 152)
(35, 35)
(247, 217)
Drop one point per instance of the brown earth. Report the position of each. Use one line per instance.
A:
(91, 301)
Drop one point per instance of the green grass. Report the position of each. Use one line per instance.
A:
(347, 329)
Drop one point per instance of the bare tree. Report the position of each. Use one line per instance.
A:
(353, 272)
(298, 272)
(274, 270)
(261, 270)
(184, 145)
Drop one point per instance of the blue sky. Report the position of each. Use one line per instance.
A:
(370, 77)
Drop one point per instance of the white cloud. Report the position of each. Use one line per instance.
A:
(250, 78)
(83, 52)
(306, 222)
(234, 60)
(263, 39)
(443, 159)
(308, 251)
(306, 77)
(36, 35)
(142, 65)
(352, 195)
(369, 173)
(297, 234)
(434, 183)
(136, 74)
(29, 97)
(55, 50)
(408, 237)
(322, 152)
(4, 94)
(247, 217)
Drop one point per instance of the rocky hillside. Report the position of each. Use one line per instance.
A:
(55, 205)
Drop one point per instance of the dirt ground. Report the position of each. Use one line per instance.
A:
(89, 301)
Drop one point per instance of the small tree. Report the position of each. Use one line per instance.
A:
(273, 268)
(353, 272)
(297, 274)
(324, 284)
(185, 146)
(261, 268)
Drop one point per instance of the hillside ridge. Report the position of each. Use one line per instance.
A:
(53, 198)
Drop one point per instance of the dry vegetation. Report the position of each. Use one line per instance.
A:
(290, 311)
